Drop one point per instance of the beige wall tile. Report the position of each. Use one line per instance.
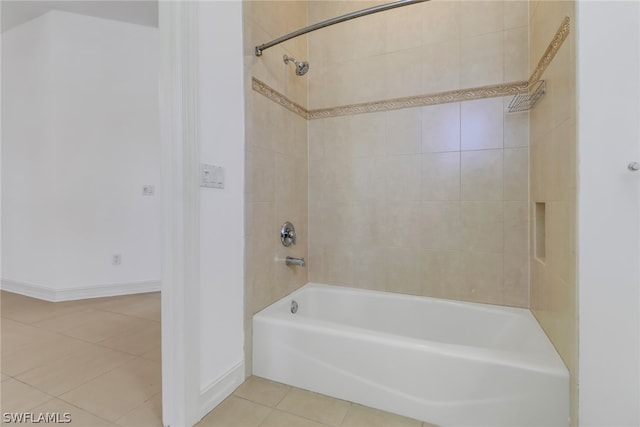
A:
(441, 67)
(361, 38)
(482, 60)
(482, 226)
(260, 185)
(400, 224)
(276, 166)
(516, 128)
(481, 17)
(553, 172)
(404, 270)
(403, 131)
(339, 264)
(516, 54)
(481, 175)
(441, 21)
(516, 253)
(543, 23)
(443, 275)
(259, 218)
(516, 279)
(401, 176)
(483, 272)
(345, 224)
(516, 174)
(291, 175)
(441, 128)
(295, 143)
(384, 188)
(482, 124)
(404, 28)
(441, 176)
(516, 14)
(370, 267)
(331, 180)
(441, 225)
(316, 262)
(270, 15)
(434, 271)
(558, 226)
(516, 227)
(354, 136)
(315, 135)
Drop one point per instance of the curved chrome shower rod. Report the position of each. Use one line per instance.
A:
(337, 20)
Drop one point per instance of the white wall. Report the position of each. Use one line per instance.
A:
(28, 155)
(81, 138)
(221, 135)
(609, 213)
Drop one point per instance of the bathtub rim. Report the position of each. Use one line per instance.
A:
(547, 361)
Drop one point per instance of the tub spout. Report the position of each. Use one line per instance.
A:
(294, 261)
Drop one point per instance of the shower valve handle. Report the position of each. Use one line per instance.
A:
(288, 234)
(633, 166)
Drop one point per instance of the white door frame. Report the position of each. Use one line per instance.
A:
(180, 209)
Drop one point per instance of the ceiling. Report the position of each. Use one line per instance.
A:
(141, 12)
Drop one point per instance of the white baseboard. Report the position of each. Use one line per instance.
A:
(213, 394)
(47, 293)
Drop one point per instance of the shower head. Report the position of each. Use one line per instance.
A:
(301, 66)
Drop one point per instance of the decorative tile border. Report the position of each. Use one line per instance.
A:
(470, 94)
(491, 91)
(552, 49)
(279, 98)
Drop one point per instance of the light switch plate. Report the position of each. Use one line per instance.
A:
(148, 190)
(211, 176)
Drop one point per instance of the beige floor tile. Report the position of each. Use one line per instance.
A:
(235, 412)
(283, 419)
(17, 334)
(362, 416)
(31, 310)
(263, 391)
(149, 414)
(4, 377)
(137, 341)
(317, 407)
(20, 397)
(39, 353)
(146, 306)
(79, 418)
(69, 372)
(116, 393)
(92, 325)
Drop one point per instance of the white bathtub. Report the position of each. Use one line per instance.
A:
(445, 362)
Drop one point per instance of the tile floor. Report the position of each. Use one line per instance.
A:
(263, 403)
(99, 360)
